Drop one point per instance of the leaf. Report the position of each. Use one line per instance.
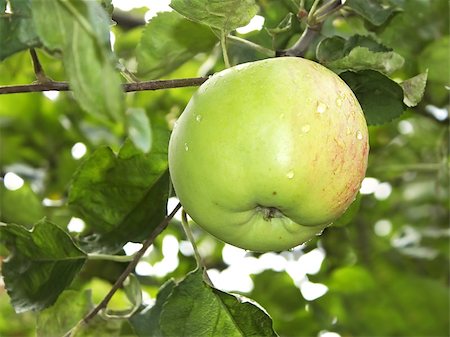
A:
(139, 129)
(284, 26)
(222, 15)
(80, 29)
(123, 197)
(195, 309)
(330, 49)
(163, 49)
(42, 264)
(336, 47)
(361, 58)
(146, 322)
(414, 89)
(12, 204)
(357, 53)
(68, 310)
(17, 31)
(381, 98)
(371, 10)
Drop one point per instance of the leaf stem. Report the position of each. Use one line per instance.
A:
(313, 10)
(257, 47)
(223, 44)
(145, 245)
(187, 230)
(198, 258)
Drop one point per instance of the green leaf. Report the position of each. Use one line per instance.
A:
(334, 48)
(146, 322)
(381, 98)
(139, 129)
(330, 49)
(222, 15)
(17, 31)
(123, 197)
(361, 58)
(358, 53)
(163, 49)
(68, 310)
(195, 309)
(42, 264)
(371, 10)
(284, 26)
(12, 204)
(414, 89)
(80, 29)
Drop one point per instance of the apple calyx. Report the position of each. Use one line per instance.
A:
(269, 212)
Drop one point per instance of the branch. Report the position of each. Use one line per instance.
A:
(145, 245)
(314, 23)
(127, 20)
(127, 87)
(38, 70)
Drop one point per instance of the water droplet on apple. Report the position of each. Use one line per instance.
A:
(186, 147)
(290, 174)
(339, 102)
(198, 118)
(306, 128)
(359, 135)
(348, 131)
(321, 107)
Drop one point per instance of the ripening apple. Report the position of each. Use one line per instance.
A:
(269, 153)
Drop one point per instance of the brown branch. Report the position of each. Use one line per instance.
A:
(127, 87)
(313, 27)
(38, 70)
(145, 245)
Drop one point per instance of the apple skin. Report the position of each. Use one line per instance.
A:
(267, 154)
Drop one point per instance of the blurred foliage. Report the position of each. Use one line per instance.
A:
(386, 267)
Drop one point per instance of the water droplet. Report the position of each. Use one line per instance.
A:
(290, 174)
(348, 131)
(186, 147)
(321, 107)
(359, 135)
(306, 128)
(339, 102)
(198, 118)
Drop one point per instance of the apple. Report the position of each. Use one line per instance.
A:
(269, 153)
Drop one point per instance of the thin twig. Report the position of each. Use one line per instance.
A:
(127, 87)
(38, 70)
(145, 245)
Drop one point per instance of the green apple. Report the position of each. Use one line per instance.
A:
(267, 154)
